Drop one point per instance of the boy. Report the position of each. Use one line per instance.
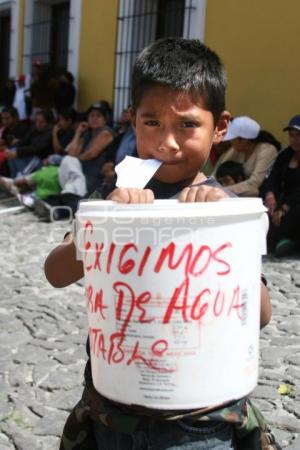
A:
(178, 112)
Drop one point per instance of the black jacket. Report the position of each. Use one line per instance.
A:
(35, 143)
(278, 182)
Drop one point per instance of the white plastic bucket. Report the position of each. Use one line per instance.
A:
(173, 299)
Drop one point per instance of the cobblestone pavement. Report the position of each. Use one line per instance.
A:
(42, 332)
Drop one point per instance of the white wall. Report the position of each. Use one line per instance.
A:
(74, 37)
(13, 6)
(40, 10)
(194, 26)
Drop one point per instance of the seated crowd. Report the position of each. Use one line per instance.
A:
(251, 162)
(57, 163)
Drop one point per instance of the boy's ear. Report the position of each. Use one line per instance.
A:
(132, 115)
(221, 127)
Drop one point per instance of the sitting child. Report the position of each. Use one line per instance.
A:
(229, 173)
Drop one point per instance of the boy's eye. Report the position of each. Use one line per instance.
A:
(189, 124)
(151, 123)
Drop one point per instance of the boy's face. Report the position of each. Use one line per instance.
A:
(172, 128)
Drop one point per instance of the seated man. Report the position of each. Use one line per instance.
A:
(13, 128)
(13, 131)
(34, 147)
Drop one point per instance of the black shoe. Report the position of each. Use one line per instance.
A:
(42, 210)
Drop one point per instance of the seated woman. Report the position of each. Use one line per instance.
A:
(27, 154)
(89, 143)
(254, 148)
(282, 197)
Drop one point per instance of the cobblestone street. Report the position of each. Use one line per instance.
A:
(43, 335)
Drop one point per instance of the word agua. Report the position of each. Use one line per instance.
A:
(129, 305)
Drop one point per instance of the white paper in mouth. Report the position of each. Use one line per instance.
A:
(135, 172)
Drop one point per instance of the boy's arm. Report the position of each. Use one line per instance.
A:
(265, 306)
(61, 266)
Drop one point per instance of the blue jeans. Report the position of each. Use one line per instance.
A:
(168, 435)
(23, 166)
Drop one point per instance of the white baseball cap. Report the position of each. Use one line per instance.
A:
(242, 127)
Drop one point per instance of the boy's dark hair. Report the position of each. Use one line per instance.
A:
(181, 64)
(232, 169)
(12, 111)
(68, 114)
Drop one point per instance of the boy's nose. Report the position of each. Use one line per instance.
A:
(168, 144)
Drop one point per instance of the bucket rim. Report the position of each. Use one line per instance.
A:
(170, 208)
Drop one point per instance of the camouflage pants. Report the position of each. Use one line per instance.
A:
(96, 416)
(168, 435)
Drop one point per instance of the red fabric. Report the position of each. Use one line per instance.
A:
(213, 157)
(2, 157)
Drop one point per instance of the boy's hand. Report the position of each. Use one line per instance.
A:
(201, 194)
(129, 195)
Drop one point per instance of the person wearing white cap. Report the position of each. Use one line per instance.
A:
(254, 148)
